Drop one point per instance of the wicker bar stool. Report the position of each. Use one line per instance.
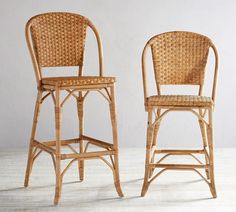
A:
(179, 58)
(58, 40)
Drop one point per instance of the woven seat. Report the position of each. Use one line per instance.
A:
(179, 58)
(78, 81)
(179, 100)
(58, 40)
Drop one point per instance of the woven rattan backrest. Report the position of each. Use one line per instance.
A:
(180, 57)
(58, 39)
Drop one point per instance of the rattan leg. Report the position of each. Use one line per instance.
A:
(115, 143)
(58, 147)
(33, 132)
(203, 132)
(154, 142)
(211, 157)
(148, 151)
(116, 175)
(80, 107)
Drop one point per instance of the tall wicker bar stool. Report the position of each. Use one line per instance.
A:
(179, 58)
(58, 40)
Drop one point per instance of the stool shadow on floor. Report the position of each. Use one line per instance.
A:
(105, 195)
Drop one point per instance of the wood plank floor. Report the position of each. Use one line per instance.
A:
(172, 191)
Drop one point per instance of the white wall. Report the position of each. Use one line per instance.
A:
(125, 26)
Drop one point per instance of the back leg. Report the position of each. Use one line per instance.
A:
(80, 108)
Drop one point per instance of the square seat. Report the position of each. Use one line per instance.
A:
(180, 100)
(78, 81)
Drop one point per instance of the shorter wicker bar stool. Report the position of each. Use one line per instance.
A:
(179, 58)
(58, 40)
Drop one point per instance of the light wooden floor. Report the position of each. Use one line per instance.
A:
(173, 191)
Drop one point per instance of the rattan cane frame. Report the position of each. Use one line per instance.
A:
(57, 39)
(160, 105)
(77, 87)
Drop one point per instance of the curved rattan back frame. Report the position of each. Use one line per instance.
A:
(179, 58)
(58, 39)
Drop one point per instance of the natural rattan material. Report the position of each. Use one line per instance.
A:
(77, 81)
(58, 39)
(179, 100)
(180, 57)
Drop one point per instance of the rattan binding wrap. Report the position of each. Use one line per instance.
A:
(180, 57)
(59, 39)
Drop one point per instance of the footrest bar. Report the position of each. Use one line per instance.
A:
(44, 147)
(176, 151)
(179, 166)
(87, 155)
(97, 142)
(63, 142)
